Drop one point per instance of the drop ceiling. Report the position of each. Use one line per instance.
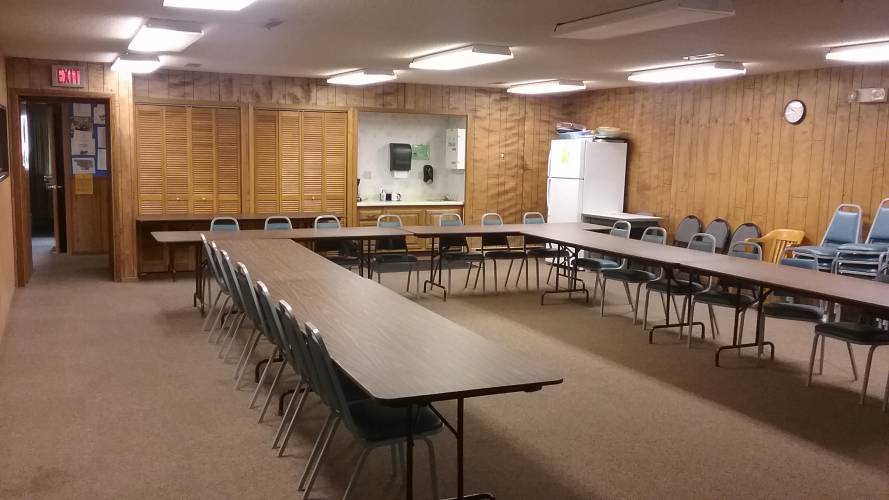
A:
(318, 38)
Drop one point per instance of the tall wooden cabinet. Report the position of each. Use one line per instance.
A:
(188, 159)
(300, 161)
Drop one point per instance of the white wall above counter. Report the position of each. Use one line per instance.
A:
(409, 203)
(377, 130)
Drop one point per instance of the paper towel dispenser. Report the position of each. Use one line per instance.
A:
(399, 157)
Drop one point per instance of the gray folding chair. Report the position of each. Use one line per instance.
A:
(620, 229)
(538, 248)
(224, 224)
(862, 259)
(341, 252)
(688, 227)
(454, 250)
(391, 254)
(721, 231)
(630, 275)
(277, 222)
(502, 251)
(844, 228)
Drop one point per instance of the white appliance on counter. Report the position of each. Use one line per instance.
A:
(585, 176)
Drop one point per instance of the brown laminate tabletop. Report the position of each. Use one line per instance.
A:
(501, 229)
(303, 234)
(867, 293)
(393, 348)
(208, 217)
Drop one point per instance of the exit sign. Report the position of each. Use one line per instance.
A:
(66, 76)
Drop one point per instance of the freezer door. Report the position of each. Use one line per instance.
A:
(605, 176)
(566, 158)
(563, 199)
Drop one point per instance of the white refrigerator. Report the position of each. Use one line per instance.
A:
(585, 176)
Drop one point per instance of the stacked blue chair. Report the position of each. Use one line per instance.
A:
(844, 229)
(862, 259)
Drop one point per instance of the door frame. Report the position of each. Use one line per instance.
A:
(21, 207)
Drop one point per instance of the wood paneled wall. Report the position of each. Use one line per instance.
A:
(27, 77)
(7, 249)
(723, 149)
(508, 135)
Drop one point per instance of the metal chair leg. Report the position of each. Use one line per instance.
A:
(211, 310)
(602, 302)
(274, 385)
(297, 395)
(225, 312)
(645, 310)
(320, 458)
(233, 331)
(319, 442)
(886, 395)
(537, 271)
(495, 274)
(433, 469)
(627, 290)
(508, 272)
(812, 360)
(714, 328)
(358, 465)
(852, 362)
(265, 372)
(244, 360)
(636, 306)
(290, 425)
(691, 319)
(866, 377)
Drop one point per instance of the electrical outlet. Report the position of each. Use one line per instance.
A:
(502, 156)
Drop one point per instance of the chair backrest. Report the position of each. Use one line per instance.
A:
(224, 224)
(883, 268)
(721, 231)
(744, 231)
(450, 219)
(208, 255)
(844, 227)
(273, 324)
(217, 267)
(621, 229)
(228, 274)
(390, 243)
(328, 381)
(533, 218)
(746, 250)
(655, 234)
(277, 222)
(248, 297)
(689, 226)
(291, 331)
(879, 228)
(702, 242)
(498, 240)
(776, 242)
(327, 222)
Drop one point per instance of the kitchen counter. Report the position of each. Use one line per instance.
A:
(409, 203)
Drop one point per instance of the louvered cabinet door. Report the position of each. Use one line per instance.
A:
(228, 160)
(203, 161)
(265, 162)
(290, 141)
(150, 159)
(177, 175)
(313, 161)
(335, 130)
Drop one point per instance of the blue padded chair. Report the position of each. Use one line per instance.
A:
(391, 254)
(502, 251)
(728, 293)
(224, 224)
(844, 228)
(224, 313)
(260, 330)
(628, 274)
(342, 252)
(701, 242)
(688, 227)
(372, 424)
(276, 222)
(721, 231)
(538, 248)
(211, 274)
(862, 259)
(620, 229)
(455, 250)
(743, 232)
(227, 337)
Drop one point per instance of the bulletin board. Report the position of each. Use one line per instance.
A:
(89, 137)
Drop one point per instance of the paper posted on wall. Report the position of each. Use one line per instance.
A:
(102, 163)
(83, 165)
(82, 109)
(99, 114)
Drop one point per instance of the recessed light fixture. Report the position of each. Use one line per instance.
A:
(362, 77)
(230, 5)
(159, 35)
(464, 57)
(136, 63)
(651, 16)
(701, 57)
(700, 71)
(547, 87)
(861, 53)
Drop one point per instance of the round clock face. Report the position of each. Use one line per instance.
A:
(794, 112)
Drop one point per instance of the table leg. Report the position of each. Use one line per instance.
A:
(570, 274)
(171, 261)
(668, 272)
(409, 474)
(759, 342)
(432, 281)
(198, 280)
(458, 434)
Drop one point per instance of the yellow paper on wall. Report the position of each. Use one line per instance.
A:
(83, 184)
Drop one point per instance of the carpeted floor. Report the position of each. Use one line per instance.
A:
(109, 390)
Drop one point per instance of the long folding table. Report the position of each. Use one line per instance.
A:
(398, 352)
(364, 235)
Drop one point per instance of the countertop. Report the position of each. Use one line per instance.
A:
(409, 203)
(623, 216)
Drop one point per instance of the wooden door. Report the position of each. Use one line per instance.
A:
(313, 161)
(265, 162)
(177, 161)
(203, 161)
(227, 126)
(335, 160)
(150, 159)
(290, 161)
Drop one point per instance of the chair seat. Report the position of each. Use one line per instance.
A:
(875, 248)
(799, 312)
(344, 260)
(629, 275)
(724, 298)
(463, 256)
(856, 333)
(381, 423)
(396, 258)
(544, 252)
(596, 264)
(505, 254)
(676, 287)
(816, 251)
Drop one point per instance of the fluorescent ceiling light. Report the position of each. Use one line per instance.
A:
(362, 77)
(702, 71)
(644, 18)
(136, 63)
(159, 35)
(547, 87)
(464, 57)
(209, 4)
(862, 53)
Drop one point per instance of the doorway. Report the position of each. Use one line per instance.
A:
(65, 184)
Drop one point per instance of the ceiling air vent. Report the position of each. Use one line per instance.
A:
(644, 18)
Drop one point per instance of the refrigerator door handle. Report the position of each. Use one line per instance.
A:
(548, 182)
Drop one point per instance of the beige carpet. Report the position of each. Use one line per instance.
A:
(108, 390)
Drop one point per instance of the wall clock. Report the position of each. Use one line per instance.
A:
(794, 111)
